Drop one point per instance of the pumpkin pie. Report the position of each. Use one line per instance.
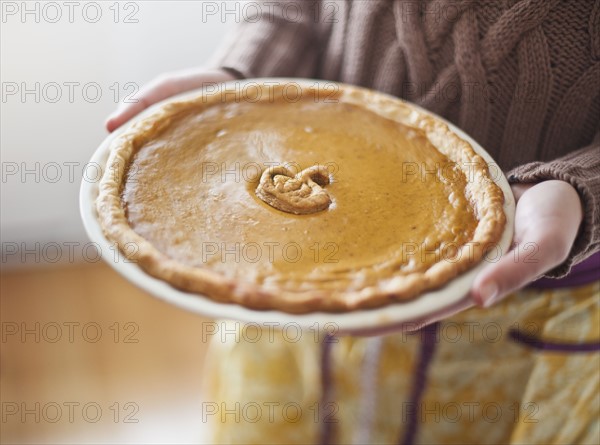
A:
(299, 198)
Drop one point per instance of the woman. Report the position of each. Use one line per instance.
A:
(523, 78)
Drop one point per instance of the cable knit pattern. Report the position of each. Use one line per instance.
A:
(521, 76)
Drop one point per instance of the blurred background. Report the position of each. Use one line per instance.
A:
(85, 357)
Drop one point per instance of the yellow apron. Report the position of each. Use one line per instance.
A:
(505, 374)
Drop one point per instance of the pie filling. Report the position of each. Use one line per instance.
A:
(298, 197)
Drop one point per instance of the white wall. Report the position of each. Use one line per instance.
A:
(35, 132)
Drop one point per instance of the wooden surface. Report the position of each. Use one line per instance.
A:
(78, 339)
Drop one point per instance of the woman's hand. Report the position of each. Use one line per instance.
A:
(547, 221)
(165, 86)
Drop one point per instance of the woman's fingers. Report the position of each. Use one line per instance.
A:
(164, 87)
(546, 224)
(520, 266)
(152, 93)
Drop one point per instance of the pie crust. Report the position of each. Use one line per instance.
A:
(408, 204)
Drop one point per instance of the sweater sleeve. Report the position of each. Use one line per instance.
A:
(274, 39)
(581, 169)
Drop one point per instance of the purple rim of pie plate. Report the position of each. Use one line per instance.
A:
(394, 316)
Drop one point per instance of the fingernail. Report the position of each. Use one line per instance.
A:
(109, 123)
(488, 293)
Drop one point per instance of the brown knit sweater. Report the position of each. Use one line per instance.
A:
(520, 76)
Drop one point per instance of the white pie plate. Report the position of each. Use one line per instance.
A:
(437, 304)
